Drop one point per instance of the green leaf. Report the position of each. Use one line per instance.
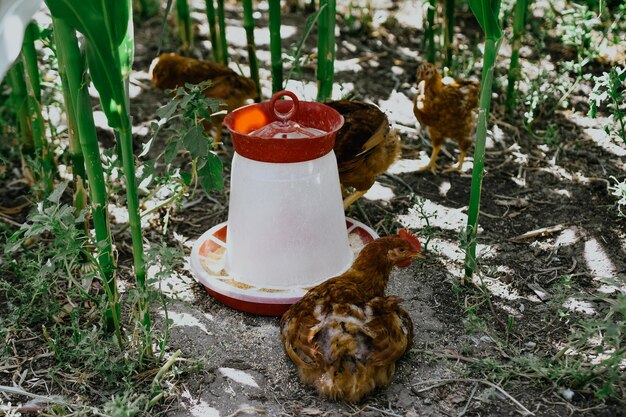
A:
(186, 177)
(196, 142)
(165, 112)
(55, 196)
(105, 25)
(171, 150)
(486, 12)
(126, 49)
(210, 175)
(147, 170)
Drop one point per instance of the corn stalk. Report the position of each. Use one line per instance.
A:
(486, 13)
(215, 43)
(221, 21)
(19, 97)
(107, 27)
(27, 98)
(275, 46)
(326, 49)
(185, 28)
(448, 39)
(429, 34)
(248, 24)
(30, 59)
(521, 8)
(72, 68)
(65, 55)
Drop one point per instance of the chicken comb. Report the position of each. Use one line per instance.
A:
(411, 238)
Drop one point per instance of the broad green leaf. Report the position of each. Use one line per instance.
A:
(210, 175)
(196, 142)
(105, 25)
(486, 12)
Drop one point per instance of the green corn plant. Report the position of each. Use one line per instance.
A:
(215, 43)
(76, 153)
(185, 28)
(275, 46)
(30, 58)
(19, 97)
(221, 21)
(30, 119)
(326, 49)
(248, 24)
(449, 34)
(521, 8)
(42, 147)
(429, 34)
(73, 73)
(486, 13)
(107, 27)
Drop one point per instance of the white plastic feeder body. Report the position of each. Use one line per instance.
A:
(14, 17)
(286, 224)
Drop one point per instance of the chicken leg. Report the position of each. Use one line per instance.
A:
(437, 141)
(351, 198)
(459, 165)
(432, 164)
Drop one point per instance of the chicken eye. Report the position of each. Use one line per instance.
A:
(403, 250)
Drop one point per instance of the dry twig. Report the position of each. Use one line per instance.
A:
(439, 382)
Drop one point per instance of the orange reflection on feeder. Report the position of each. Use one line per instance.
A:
(250, 118)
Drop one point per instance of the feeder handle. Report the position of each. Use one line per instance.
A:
(284, 117)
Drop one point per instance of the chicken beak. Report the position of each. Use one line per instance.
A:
(417, 255)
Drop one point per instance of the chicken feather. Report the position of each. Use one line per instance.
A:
(365, 146)
(345, 335)
(446, 109)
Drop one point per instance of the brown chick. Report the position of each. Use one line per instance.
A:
(345, 335)
(169, 71)
(446, 110)
(365, 146)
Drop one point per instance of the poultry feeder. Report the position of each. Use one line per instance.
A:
(14, 17)
(286, 229)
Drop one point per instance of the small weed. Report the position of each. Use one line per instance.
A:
(427, 231)
(189, 109)
(50, 299)
(359, 19)
(610, 90)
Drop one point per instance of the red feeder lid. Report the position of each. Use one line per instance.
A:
(280, 132)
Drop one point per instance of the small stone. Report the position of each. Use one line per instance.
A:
(568, 394)
(427, 401)
(530, 345)
(397, 70)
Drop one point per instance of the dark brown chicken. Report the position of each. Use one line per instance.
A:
(446, 110)
(365, 146)
(345, 335)
(169, 71)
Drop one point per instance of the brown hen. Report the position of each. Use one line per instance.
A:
(345, 335)
(170, 71)
(446, 110)
(365, 146)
